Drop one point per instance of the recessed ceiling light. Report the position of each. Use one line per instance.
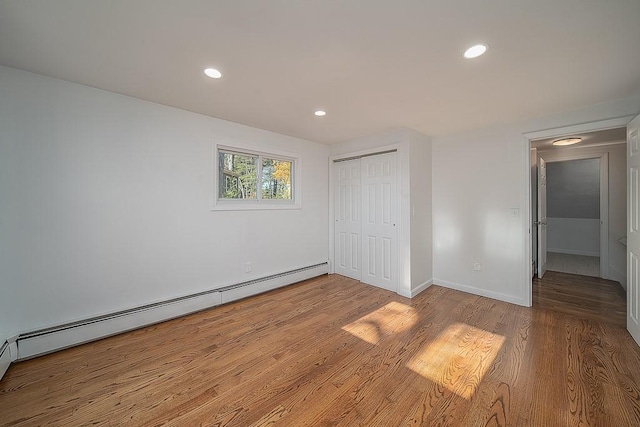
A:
(567, 141)
(213, 73)
(475, 51)
(320, 113)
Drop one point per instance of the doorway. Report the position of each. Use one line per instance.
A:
(571, 209)
(628, 239)
(574, 217)
(599, 139)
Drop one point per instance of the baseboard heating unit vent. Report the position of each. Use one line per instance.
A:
(253, 287)
(5, 358)
(48, 340)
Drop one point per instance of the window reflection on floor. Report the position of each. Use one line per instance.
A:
(394, 317)
(458, 358)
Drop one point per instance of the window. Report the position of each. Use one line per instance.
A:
(239, 172)
(276, 179)
(254, 180)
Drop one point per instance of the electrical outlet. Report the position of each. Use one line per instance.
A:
(477, 266)
(248, 267)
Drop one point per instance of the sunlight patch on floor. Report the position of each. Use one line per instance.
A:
(458, 358)
(394, 317)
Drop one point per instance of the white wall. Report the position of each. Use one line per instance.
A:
(476, 181)
(421, 214)
(477, 178)
(414, 175)
(617, 199)
(577, 236)
(573, 188)
(106, 204)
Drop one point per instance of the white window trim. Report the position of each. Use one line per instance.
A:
(218, 204)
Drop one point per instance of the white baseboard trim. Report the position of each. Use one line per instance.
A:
(572, 252)
(48, 340)
(52, 339)
(421, 287)
(5, 358)
(618, 276)
(415, 291)
(478, 291)
(235, 292)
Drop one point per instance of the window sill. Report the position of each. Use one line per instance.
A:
(253, 206)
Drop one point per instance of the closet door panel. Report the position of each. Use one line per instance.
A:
(379, 225)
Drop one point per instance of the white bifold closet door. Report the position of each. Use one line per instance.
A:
(633, 232)
(366, 213)
(379, 220)
(347, 216)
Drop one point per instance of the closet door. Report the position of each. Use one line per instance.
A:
(347, 217)
(633, 231)
(379, 220)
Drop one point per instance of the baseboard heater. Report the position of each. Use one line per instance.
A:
(56, 338)
(5, 358)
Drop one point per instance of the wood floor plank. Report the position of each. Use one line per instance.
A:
(334, 352)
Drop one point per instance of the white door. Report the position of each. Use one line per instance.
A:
(534, 211)
(633, 231)
(347, 254)
(542, 217)
(379, 221)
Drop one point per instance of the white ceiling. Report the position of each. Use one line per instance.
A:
(372, 64)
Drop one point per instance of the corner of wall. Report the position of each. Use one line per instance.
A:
(415, 290)
(420, 205)
(618, 276)
(5, 357)
(12, 343)
(421, 287)
(471, 289)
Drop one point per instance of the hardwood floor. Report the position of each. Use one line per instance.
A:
(584, 297)
(334, 352)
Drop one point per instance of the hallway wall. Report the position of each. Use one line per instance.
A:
(617, 201)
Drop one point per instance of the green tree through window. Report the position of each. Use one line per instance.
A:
(245, 176)
(237, 176)
(276, 179)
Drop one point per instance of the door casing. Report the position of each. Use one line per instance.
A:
(526, 267)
